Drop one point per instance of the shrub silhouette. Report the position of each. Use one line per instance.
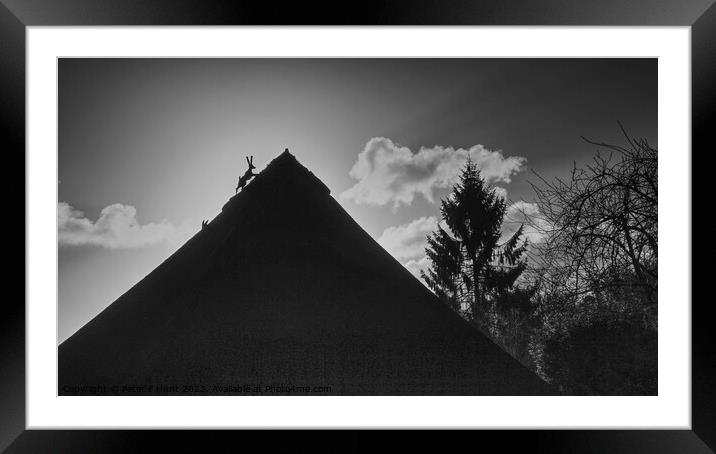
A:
(604, 358)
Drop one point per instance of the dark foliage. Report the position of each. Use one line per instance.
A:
(604, 358)
(444, 276)
(514, 323)
(596, 273)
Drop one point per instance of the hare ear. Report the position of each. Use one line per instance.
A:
(252, 160)
(247, 160)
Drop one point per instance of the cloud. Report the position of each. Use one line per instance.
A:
(388, 173)
(526, 213)
(407, 243)
(116, 228)
(417, 265)
(501, 192)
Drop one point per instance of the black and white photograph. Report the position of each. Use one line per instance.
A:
(357, 226)
(252, 224)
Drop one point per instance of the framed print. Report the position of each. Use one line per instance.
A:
(237, 219)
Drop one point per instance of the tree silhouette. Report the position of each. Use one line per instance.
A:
(469, 267)
(596, 271)
(602, 223)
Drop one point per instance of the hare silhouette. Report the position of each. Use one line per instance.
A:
(249, 174)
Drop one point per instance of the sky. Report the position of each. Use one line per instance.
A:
(148, 148)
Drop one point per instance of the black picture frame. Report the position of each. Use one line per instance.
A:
(16, 15)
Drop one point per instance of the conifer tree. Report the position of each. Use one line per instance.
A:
(469, 266)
